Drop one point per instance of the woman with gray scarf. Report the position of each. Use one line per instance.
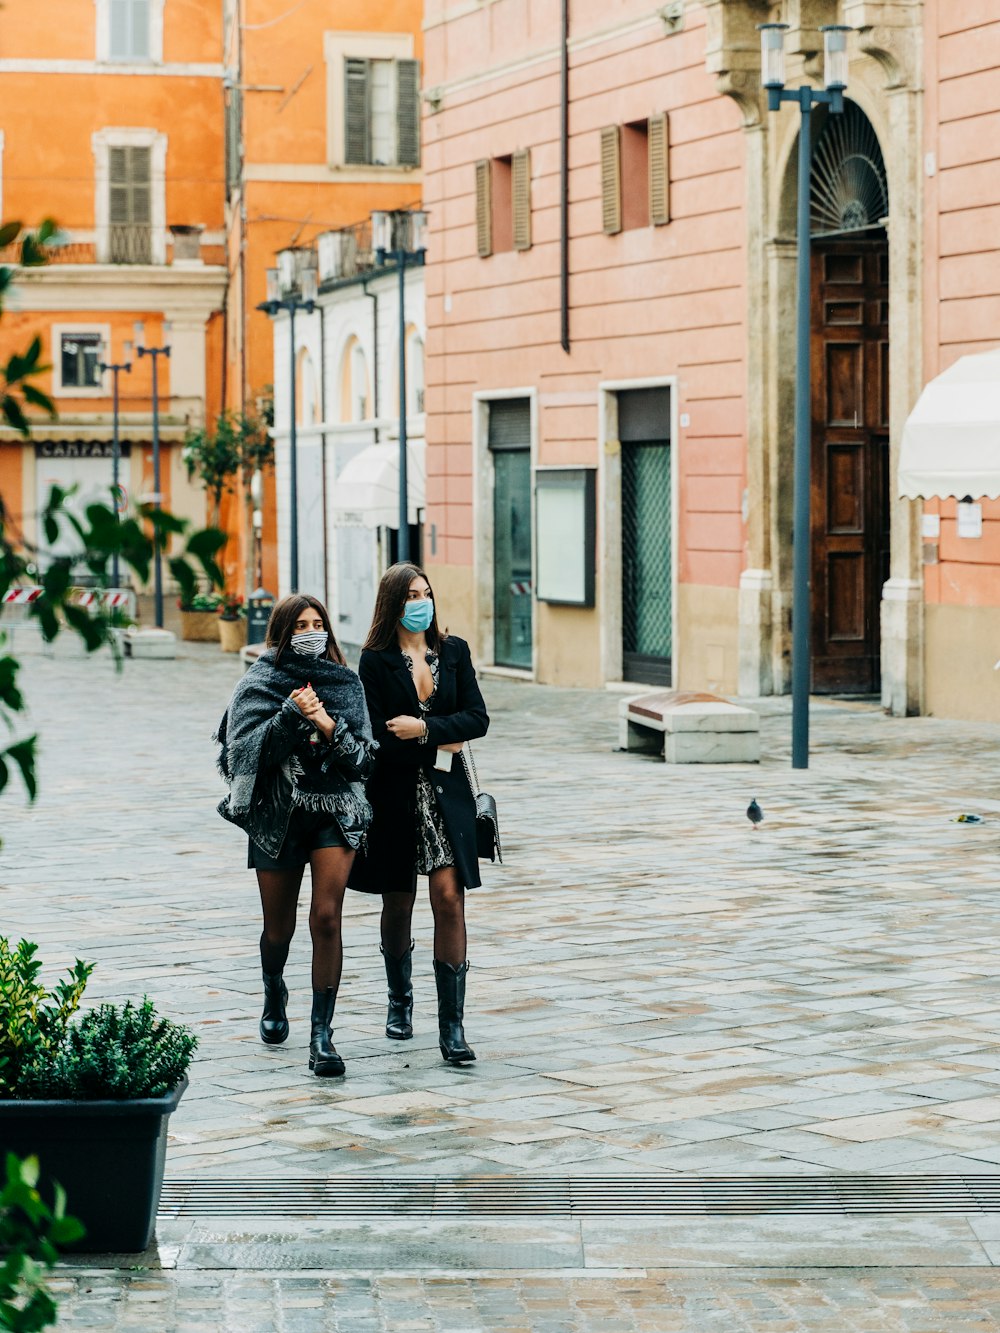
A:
(296, 750)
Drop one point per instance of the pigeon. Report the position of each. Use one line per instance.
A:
(754, 813)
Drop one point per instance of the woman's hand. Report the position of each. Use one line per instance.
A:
(306, 700)
(455, 747)
(406, 728)
(325, 724)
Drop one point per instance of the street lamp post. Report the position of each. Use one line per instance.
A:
(155, 352)
(835, 79)
(116, 367)
(399, 237)
(292, 286)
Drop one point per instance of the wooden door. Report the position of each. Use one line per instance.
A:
(850, 452)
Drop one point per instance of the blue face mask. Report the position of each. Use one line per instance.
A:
(418, 615)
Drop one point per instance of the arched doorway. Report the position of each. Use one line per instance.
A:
(850, 403)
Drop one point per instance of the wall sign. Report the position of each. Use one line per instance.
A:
(81, 449)
(565, 528)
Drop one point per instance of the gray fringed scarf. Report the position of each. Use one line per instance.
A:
(258, 696)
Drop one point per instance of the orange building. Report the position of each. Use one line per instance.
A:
(111, 123)
(323, 126)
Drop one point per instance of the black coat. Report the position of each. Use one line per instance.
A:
(457, 714)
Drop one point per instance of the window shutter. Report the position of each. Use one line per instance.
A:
(139, 36)
(659, 169)
(408, 113)
(118, 198)
(234, 108)
(357, 149)
(520, 167)
(119, 43)
(484, 220)
(611, 179)
(141, 185)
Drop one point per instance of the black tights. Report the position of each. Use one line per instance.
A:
(448, 906)
(279, 898)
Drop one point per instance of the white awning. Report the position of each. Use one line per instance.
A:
(951, 440)
(366, 494)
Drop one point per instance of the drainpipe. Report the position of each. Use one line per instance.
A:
(564, 181)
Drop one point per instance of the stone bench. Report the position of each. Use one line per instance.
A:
(689, 728)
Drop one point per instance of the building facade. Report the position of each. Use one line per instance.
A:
(611, 352)
(109, 124)
(322, 106)
(346, 401)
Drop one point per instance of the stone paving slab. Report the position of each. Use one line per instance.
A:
(655, 985)
(887, 1300)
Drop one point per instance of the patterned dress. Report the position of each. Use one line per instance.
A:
(433, 847)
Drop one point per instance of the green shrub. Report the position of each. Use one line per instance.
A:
(33, 1019)
(114, 1053)
(30, 1231)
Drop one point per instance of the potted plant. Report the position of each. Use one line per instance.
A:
(90, 1098)
(232, 623)
(199, 617)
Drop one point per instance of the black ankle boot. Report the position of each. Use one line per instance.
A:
(399, 1019)
(323, 1057)
(273, 1022)
(451, 1010)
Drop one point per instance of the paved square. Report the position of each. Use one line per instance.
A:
(655, 985)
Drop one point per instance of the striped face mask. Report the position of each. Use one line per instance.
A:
(310, 644)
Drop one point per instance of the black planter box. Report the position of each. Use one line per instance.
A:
(108, 1156)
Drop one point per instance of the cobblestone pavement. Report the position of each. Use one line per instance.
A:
(656, 988)
(730, 1301)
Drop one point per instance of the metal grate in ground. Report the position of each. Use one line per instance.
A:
(585, 1196)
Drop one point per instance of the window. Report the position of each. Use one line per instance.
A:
(381, 112)
(635, 176)
(503, 204)
(130, 191)
(130, 30)
(79, 360)
(77, 353)
(130, 204)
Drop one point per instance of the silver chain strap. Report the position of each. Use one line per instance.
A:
(470, 766)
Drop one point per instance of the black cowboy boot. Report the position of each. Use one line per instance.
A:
(323, 1057)
(273, 1022)
(451, 1010)
(399, 1019)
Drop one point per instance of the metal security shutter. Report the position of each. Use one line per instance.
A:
(659, 169)
(408, 113)
(510, 423)
(357, 147)
(484, 206)
(130, 204)
(520, 166)
(611, 179)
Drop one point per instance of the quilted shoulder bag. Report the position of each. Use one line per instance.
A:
(487, 828)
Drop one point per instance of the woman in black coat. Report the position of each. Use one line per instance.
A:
(424, 702)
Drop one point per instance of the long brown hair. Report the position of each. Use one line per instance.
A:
(281, 625)
(390, 604)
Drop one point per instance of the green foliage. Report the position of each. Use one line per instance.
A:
(17, 391)
(238, 443)
(202, 601)
(33, 1019)
(113, 1052)
(30, 1233)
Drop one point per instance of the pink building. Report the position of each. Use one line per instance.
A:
(611, 351)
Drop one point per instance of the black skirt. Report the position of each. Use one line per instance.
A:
(307, 832)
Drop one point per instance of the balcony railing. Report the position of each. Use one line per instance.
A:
(123, 243)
